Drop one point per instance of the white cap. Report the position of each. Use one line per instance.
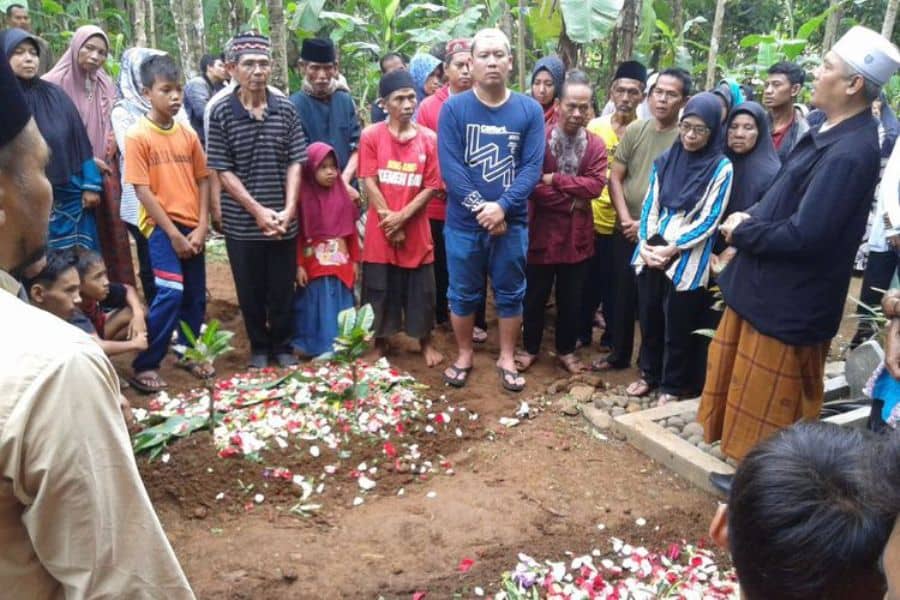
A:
(868, 53)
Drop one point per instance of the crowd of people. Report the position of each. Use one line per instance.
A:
(637, 211)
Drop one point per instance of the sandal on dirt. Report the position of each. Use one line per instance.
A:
(639, 388)
(572, 364)
(507, 385)
(198, 370)
(457, 377)
(148, 382)
(601, 364)
(524, 360)
(666, 398)
(479, 335)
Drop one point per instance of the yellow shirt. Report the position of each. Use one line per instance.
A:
(75, 520)
(604, 213)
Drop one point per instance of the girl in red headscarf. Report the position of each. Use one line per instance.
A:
(327, 253)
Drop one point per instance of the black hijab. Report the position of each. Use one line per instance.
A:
(684, 176)
(755, 170)
(55, 115)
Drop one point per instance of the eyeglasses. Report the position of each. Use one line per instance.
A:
(660, 93)
(699, 130)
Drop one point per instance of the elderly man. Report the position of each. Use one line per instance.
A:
(75, 517)
(491, 149)
(626, 93)
(256, 144)
(457, 70)
(560, 228)
(786, 288)
(327, 111)
(17, 16)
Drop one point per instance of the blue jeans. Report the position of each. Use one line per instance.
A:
(472, 254)
(180, 296)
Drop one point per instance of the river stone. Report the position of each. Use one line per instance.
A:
(693, 429)
(704, 446)
(581, 393)
(672, 430)
(633, 407)
(557, 386)
(861, 362)
(603, 402)
(592, 379)
(617, 411)
(601, 420)
(676, 422)
(695, 439)
(717, 452)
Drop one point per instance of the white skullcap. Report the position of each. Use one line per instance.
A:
(868, 53)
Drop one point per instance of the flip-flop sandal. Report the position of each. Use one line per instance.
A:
(479, 335)
(195, 368)
(455, 380)
(140, 385)
(510, 387)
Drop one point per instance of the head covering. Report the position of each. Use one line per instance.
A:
(684, 175)
(74, 81)
(249, 42)
(324, 212)
(556, 68)
(54, 114)
(318, 50)
(456, 46)
(420, 67)
(729, 91)
(130, 84)
(868, 53)
(393, 81)
(631, 69)
(14, 111)
(754, 171)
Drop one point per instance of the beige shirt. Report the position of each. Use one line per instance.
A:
(75, 520)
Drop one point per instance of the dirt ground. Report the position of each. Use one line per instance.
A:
(545, 487)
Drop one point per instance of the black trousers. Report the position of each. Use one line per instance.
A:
(624, 306)
(569, 280)
(598, 288)
(264, 273)
(441, 278)
(145, 271)
(879, 271)
(672, 356)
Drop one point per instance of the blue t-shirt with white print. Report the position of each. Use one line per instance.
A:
(490, 154)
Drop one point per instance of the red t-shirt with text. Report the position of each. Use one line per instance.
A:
(402, 170)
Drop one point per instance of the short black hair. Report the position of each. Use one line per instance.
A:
(439, 50)
(681, 75)
(58, 262)
(85, 259)
(800, 523)
(206, 61)
(576, 77)
(12, 7)
(388, 57)
(794, 73)
(159, 67)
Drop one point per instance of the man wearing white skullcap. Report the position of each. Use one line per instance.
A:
(786, 288)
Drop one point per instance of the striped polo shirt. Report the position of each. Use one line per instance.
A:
(693, 231)
(259, 152)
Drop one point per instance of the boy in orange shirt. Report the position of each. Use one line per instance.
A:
(166, 165)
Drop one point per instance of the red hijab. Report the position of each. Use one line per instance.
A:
(324, 212)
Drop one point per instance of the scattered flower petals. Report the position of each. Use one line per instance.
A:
(508, 421)
(357, 501)
(314, 450)
(640, 521)
(220, 495)
(431, 495)
(465, 564)
(365, 483)
(258, 498)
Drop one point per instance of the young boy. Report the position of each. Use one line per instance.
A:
(167, 167)
(56, 288)
(111, 313)
(399, 168)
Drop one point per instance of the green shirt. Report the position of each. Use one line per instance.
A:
(640, 145)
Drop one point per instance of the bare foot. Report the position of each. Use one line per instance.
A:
(524, 360)
(378, 351)
(432, 357)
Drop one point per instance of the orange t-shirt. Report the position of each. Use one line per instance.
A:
(170, 161)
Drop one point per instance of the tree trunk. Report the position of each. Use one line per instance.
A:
(278, 33)
(189, 31)
(890, 16)
(714, 44)
(831, 26)
(629, 29)
(567, 49)
(677, 19)
(140, 23)
(151, 22)
(236, 16)
(520, 43)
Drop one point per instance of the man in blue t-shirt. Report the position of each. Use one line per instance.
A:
(491, 150)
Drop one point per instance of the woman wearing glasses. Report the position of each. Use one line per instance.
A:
(690, 186)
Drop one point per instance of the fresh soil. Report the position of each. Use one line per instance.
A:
(542, 487)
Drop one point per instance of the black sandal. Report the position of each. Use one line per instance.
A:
(455, 380)
(510, 387)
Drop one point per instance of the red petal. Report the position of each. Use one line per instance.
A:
(465, 564)
(419, 595)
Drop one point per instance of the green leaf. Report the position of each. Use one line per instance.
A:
(756, 39)
(589, 20)
(691, 22)
(342, 19)
(306, 17)
(346, 321)
(53, 8)
(188, 333)
(793, 48)
(426, 6)
(544, 22)
(662, 10)
(365, 319)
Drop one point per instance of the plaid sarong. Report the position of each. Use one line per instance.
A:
(756, 385)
